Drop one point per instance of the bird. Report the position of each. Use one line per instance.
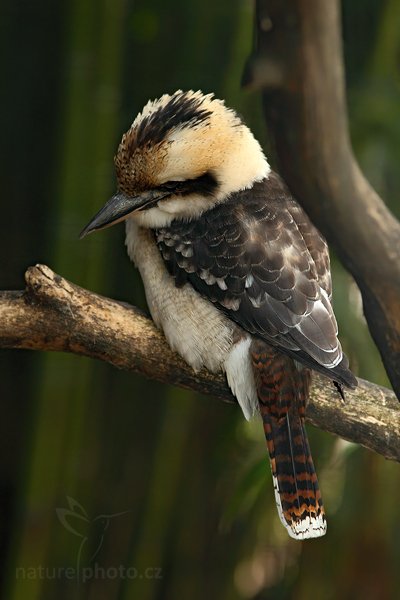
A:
(235, 275)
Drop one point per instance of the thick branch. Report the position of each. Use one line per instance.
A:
(298, 64)
(54, 314)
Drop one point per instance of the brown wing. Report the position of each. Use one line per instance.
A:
(316, 245)
(260, 260)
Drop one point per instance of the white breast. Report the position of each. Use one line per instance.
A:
(192, 325)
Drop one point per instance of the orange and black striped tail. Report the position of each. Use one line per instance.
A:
(282, 389)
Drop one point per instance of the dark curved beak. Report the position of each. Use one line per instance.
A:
(120, 206)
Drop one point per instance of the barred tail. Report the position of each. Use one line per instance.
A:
(282, 392)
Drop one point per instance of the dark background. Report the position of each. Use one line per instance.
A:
(192, 474)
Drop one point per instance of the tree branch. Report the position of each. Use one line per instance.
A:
(54, 314)
(297, 63)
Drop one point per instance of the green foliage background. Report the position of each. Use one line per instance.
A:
(191, 473)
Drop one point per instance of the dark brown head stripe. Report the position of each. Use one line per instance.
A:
(182, 110)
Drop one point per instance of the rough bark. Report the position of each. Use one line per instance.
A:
(297, 63)
(54, 314)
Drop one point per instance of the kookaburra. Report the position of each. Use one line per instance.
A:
(235, 275)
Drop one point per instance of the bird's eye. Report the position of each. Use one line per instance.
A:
(174, 186)
(205, 184)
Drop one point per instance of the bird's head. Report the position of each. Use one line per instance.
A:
(183, 154)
